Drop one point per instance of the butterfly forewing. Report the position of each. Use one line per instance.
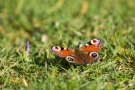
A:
(62, 52)
(91, 46)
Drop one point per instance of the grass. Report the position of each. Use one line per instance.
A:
(67, 23)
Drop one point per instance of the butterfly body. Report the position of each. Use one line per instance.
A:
(83, 55)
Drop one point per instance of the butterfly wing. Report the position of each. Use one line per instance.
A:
(80, 58)
(85, 54)
(62, 52)
(92, 46)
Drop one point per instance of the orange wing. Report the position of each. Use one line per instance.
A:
(92, 46)
(83, 55)
(80, 58)
(62, 52)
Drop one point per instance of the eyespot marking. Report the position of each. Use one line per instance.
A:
(94, 55)
(70, 59)
(95, 41)
(55, 48)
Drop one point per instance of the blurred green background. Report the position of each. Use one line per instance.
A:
(67, 23)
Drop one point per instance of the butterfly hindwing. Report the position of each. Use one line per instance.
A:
(80, 58)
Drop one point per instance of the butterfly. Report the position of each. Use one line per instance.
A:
(85, 54)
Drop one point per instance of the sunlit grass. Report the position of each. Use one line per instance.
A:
(66, 23)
